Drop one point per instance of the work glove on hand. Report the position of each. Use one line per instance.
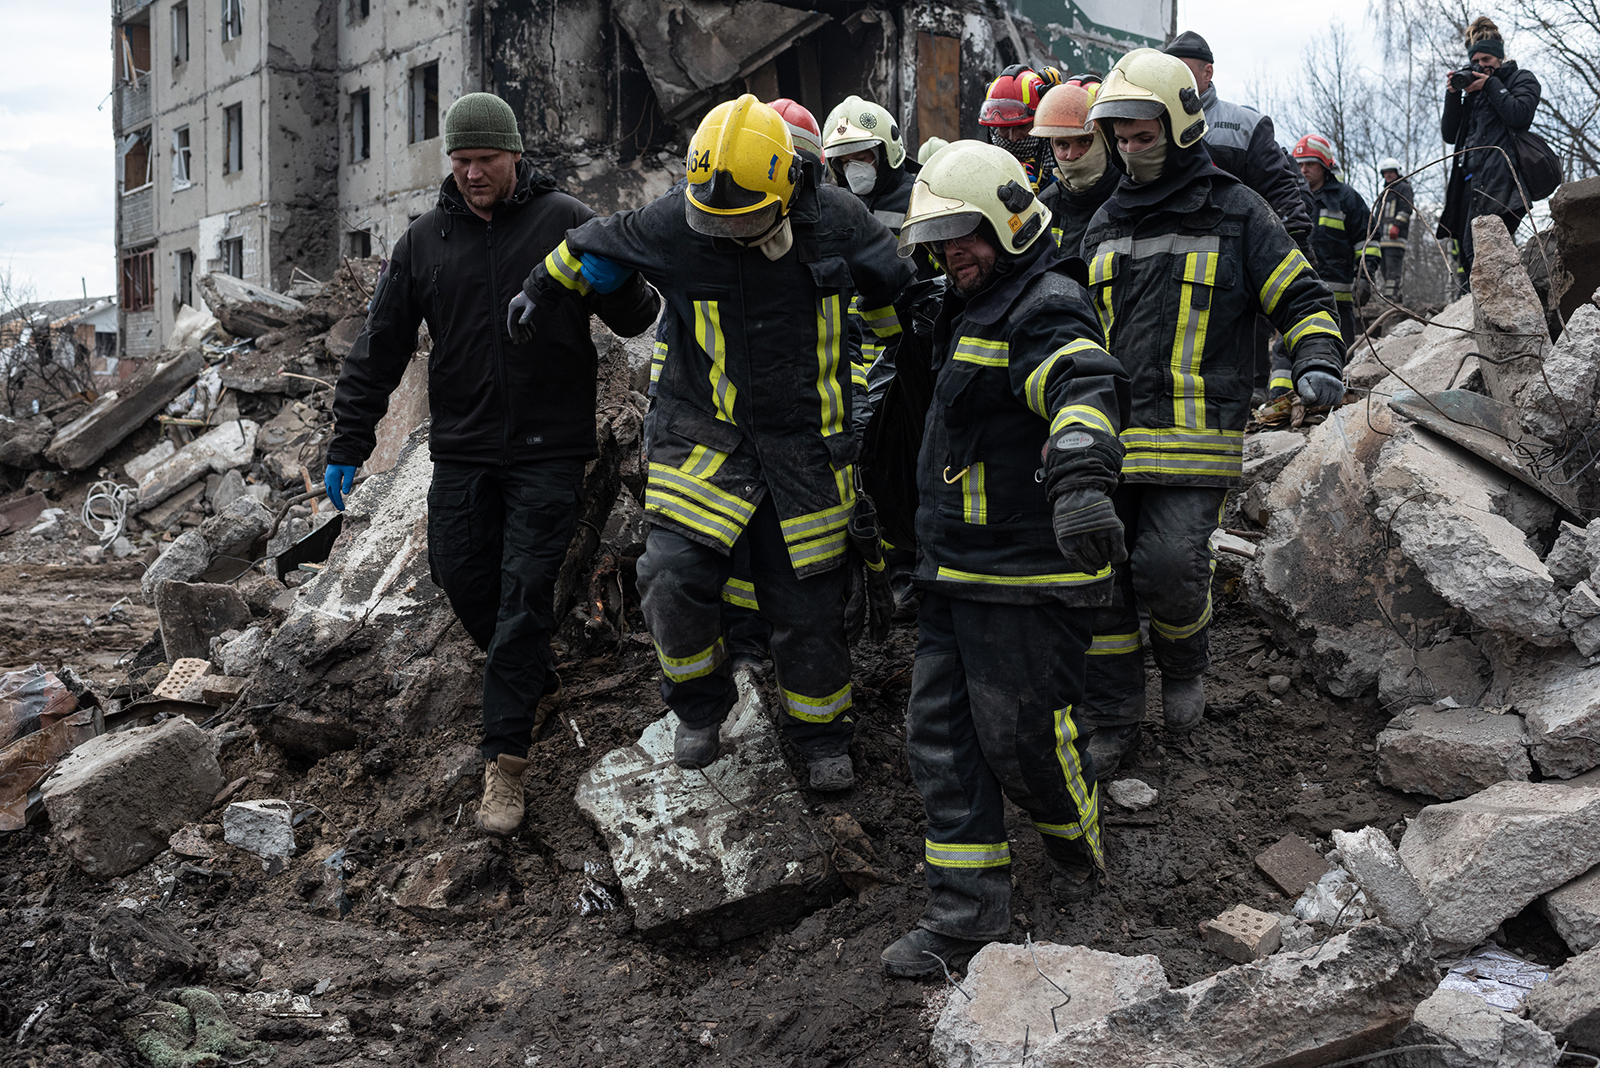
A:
(602, 274)
(337, 480)
(1088, 531)
(519, 318)
(1319, 389)
(1394, 232)
(1363, 291)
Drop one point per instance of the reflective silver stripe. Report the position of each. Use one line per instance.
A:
(1329, 213)
(700, 490)
(667, 505)
(816, 709)
(1162, 244)
(693, 666)
(1172, 436)
(961, 855)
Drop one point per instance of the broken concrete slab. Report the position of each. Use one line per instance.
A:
(115, 800)
(240, 656)
(1580, 614)
(1508, 322)
(1133, 794)
(122, 411)
(1480, 1036)
(1558, 404)
(453, 885)
(1568, 1003)
(192, 613)
(219, 690)
(408, 409)
(264, 827)
(148, 460)
(725, 849)
(166, 515)
(1454, 668)
(1267, 454)
(229, 488)
(1568, 559)
(186, 558)
(217, 450)
(239, 529)
(1575, 220)
(1388, 886)
(1484, 858)
(1011, 999)
(246, 309)
(1292, 864)
(1574, 911)
(1302, 1008)
(142, 950)
(1452, 753)
(1560, 699)
(1242, 934)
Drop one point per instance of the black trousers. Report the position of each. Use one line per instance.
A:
(681, 586)
(496, 540)
(991, 716)
(1394, 260)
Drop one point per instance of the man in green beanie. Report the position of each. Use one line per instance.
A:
(513, 422)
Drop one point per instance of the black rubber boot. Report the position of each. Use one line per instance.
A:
(1109, 745)
(696, 747)
(1183, 702)
(832, 773)
(1073, 882)
(916, 955)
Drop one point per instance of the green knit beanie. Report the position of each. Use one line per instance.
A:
(481, 120)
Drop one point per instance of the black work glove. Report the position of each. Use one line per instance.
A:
(525, 310)
(871, 604)
(1362, 292)
(1088, 531)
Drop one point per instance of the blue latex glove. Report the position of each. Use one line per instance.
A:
(337, 480)
(1319, 389)
(601, 273)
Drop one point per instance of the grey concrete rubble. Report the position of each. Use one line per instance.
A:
(186, 558)
(1387, 884)
(123, 410)
(1479, 1036)
(1452, 753)
(1242, 934)
(244, 308)
(192, 613)
(1454, 668)
(1508, 321)
(1558, 404)
(1133, 794)
(217, 450)
(1266, 455)
(1568, 1003)
(1559, 696)
(1574, 911)
(1484, 858)
(1569, 561)
(264, 827)
(1580, 614)
(1292, 864)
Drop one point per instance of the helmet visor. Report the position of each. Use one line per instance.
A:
(745, 226)
(1004, 111)
(844, 148)
(1126, 109)
(939, 228)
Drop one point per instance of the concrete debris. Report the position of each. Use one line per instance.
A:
(229, 488)
(1388, 886)
(141, 950)
(725, 849)
(115, 800)
(1306, 1008)
(217, 450)
(191, 327)
(1580, 614)
(24, 441)
(1568, 1003)
(1508, 322)
(219, 690)
(1453, 668)
(1570, 559)
(264, 827)
(245, 309)
(408, 409)
(1482, 859)
(241, 655)
(625, 530)
(123, 410)
(455, 884)
(1452, 753)
(1335, 901)
(149, 460)
(1560, 698)
(238, 530)
(1134, 794)
(1242, 934)
(1575, 219)
(1010, 998)
(1558, 405)
(1574, 911)
(1481, 1036)
(192, 613)
(187, 558)
(1266, 455)
(1292, 864)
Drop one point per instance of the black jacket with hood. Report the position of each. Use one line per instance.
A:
(492, 401)
(1485, 122)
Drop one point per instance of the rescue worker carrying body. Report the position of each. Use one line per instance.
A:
(1085, 175)
(1011, 558)
(1346, 257)
(1182, 259)
(1008, 109)
(751, 436)
(1395, 206)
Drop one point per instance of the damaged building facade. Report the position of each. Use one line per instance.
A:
(261, 139)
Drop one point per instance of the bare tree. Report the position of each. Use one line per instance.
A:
(37, 361)
(1336, 101)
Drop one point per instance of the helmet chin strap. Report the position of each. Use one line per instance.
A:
(776, 241)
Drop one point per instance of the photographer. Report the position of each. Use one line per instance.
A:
(1486, 105)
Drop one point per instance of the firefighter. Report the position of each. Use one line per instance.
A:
(757, 262)
(1181, 260)
(1395, 206)
(1008, 108)
(1085, 175)
(1017, 536)
(1346, 257)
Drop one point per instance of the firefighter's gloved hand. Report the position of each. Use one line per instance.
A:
(519, 318)
(1088, 531)
(337, 480)
(1319, 389)
(1363, 291)
(603, 274)
(1394, 232)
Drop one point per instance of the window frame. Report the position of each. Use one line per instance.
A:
(424, 102)
(233, 139)
(184, 265)
(137, 279)
(146, 135)
(360, 125)
(180, 33)
(182, 158)
(228, 246)
(232, 20)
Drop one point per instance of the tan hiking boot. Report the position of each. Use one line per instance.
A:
(501, 810)
(548, 703)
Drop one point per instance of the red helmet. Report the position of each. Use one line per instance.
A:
(1315, 147)
(1013, 97)
(803, 126)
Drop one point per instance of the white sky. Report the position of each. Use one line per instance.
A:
(57, 158)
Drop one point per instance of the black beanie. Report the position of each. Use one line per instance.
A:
(1494, 46)
(1190, 45)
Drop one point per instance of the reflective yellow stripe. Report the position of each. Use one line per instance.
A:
(701, 490)
(1180, 451)
(1280, 381)
(974, 505)
(828, 359)
(703, 461)
(1174, 633)
(708, 332)
(1082, 413)
(1085, 797)
(1333, 220)
(819, 536)
(742, 593)
(1115, 644)
(1189, 342)
(882, 321)
(658, 361)
(1064, 578)
(858, 375)
(694, 666)
(565, 268)
(984, 352)
(962, 855)
(696, 504)
(1034, 388)
(1318, 322)
(1277, 282)
(1101, 274)
(816, 709)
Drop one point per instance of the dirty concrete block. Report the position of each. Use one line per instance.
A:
(1575, 215)
(1453, 753)
(725, 849)
(1482, 1036)
(307, 736)
(408, 409)
(291, 530)
(1389, 888)
(1009, 998)
(1134, 794)
(625, 530)
(456, 883)
(239, 963)
(219, 690)
(165, 515)
(1437, 502)
(143, 949)
(1560, 698)
(120, 412)
(240, 656)
(1454, 668)
(234, 530)
(1581, 616)
(183, 680)
(217, 450)
(264, 827)
(1266, 455)
(1568, 1003)
(1242, 934)
(192, 613)
(148, 460)
(1279, 684)
(1292, 864)
(1574, 911)
(1286, 1009)
(1484, 858)
(1559, 405)
(1568, 560)
(1253, 503)
(246, 309)
(342, 335)
(640, 352)
(1508, 316)
(115, 800)
(229, 488)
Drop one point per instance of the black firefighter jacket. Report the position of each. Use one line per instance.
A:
(755, 397)
(1342, 237)
(1178, 285)
(1486, 123)
(1395, 206)
(1016, 363)
(492, 401)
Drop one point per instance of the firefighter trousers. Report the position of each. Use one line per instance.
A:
(993, 689)
(1168, 572)
(681, 584)
(1394, 258)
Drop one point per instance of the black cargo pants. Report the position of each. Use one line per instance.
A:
(496, 540)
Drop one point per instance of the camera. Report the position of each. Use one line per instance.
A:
(1460, 79)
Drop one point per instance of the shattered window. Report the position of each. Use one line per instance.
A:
(360, 244)
(135, 53)
(180, 34)
(233, 256)
(424, 102)
(360, 126)
(232, 19)
(233, 145)
(136, 170)
(186, 278)
(180, 158)
(138, 281)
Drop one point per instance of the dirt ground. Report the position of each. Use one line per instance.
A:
(518, 961)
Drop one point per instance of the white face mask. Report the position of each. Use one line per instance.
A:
(861, 177)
